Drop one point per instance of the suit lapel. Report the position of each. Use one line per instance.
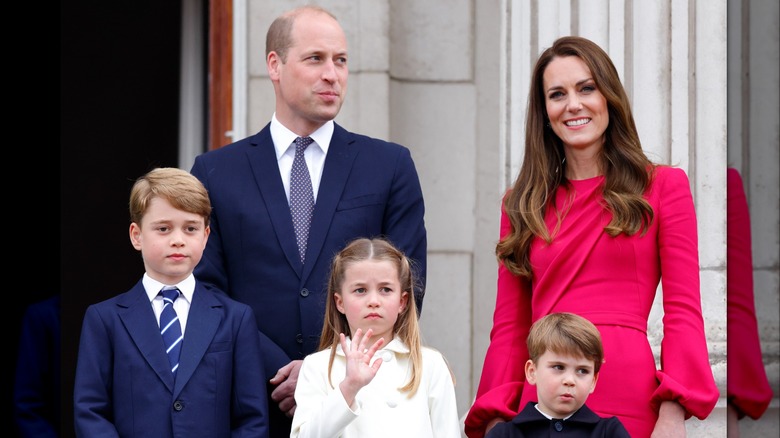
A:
(262, 158)
(338, 162)
(138, 317)
(265, 167)
(202, 323)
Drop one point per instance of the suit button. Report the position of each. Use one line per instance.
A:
(304, 292)
(558, 426)
(299, 338)
(178, 406)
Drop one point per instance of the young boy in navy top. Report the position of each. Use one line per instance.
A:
(129, 382)
(565, 357)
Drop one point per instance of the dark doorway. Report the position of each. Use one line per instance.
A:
(119, 118)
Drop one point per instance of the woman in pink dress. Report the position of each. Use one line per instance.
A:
(591, 226)
(748, 390)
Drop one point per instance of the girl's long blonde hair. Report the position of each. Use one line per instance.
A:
(406, 326)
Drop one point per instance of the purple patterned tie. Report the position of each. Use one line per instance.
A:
(301, 195)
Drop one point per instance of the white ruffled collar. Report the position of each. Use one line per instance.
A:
(396, 346)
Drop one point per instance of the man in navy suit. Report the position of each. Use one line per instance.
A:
(363, 187)
(126, 384)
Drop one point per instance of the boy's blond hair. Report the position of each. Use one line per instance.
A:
(566, 333)
(180, 188)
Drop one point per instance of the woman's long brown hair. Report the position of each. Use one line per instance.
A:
(626, 168)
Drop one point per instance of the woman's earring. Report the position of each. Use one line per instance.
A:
(558, 168)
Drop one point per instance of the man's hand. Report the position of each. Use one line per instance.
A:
(285, 380)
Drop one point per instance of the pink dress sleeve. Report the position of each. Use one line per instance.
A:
(685, 375)
(748, 389)
(503, 372)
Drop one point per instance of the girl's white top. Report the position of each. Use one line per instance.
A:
(380, 409)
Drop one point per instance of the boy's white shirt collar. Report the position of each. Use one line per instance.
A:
(153, 287)
(550, 417)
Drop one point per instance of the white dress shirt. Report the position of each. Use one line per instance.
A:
(314, 155)
(181, 305)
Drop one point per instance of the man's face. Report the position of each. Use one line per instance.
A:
(312, 82)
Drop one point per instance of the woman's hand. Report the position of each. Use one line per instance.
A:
(732, 422)
(671, 421)
(492, 424)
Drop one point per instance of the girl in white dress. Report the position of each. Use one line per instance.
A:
(371, 376)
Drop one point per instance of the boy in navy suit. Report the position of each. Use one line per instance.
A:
(565, 357)
(126, 385)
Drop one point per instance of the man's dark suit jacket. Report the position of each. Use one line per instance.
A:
(124, 385)
(369, 188)
(530, 423)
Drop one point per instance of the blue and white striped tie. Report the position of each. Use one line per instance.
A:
(170, 327)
